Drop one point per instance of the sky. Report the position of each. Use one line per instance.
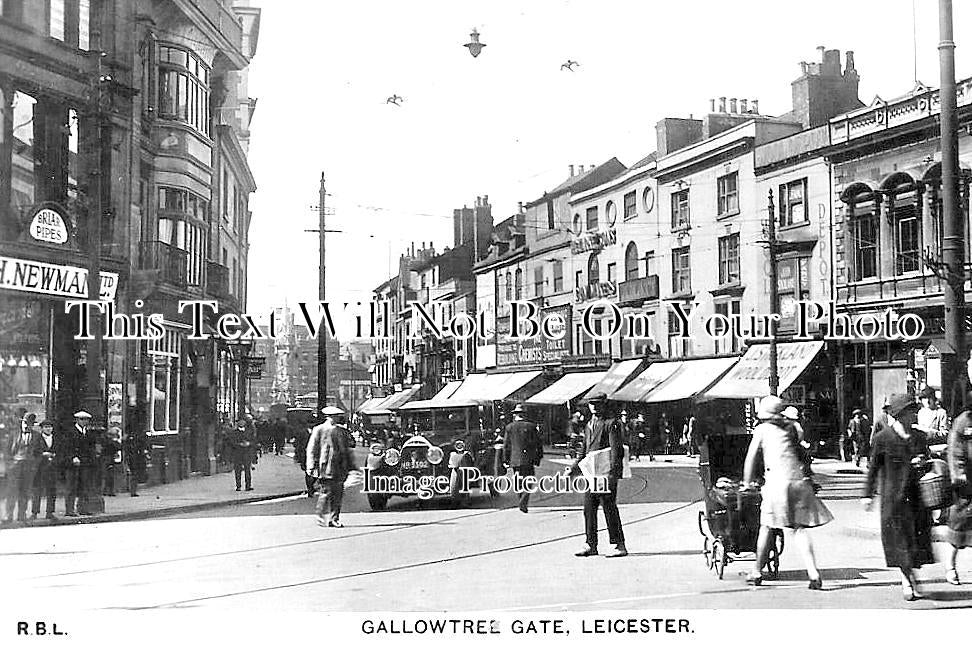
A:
(508, 123)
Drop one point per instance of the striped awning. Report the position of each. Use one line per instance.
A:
(567, 387)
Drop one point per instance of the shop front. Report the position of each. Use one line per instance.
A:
(42, 364)
(806, 380)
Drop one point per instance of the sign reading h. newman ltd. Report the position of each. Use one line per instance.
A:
(52, 279)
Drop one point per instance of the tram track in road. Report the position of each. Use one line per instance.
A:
(403, 567)
(386, 528)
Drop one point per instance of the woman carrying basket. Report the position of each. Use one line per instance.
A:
(897, 455)
(788, 497)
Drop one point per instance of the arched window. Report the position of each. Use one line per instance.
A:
(593, 270)
(519, 283)
(903, 207)
(509, 287)
(631, 261)
(864, 230)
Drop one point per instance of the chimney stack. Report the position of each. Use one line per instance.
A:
(520, 207)
(580, 169)
(743, 105)
(722, 104)
(485, 200)
(849, 57)
(571, 167)
(756, 106)
(732, 105)
(712, 105)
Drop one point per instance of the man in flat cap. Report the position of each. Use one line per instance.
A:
(522, 449)
(46, 448)
(80, 465)
(603, 431)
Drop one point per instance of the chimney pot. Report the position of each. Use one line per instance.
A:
(520, 206)
(743, 105)
(591, 167)
(712, 105)
(580, 169)
(849, 56)
(571, 167)
(722, 104)
(821, 49)
(732, 105)
(756, 106)
(485, 200)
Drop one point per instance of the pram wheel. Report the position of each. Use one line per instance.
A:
(719, 558)
(707, 552)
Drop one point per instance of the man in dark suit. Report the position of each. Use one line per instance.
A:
(45, 449)
(241, 442)
(603, 432)
(522, 449)
(80, 465)
(20, 470)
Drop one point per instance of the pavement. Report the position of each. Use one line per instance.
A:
(275, 476)
(209, 547)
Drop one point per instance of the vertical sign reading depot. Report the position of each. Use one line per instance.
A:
(531, 351)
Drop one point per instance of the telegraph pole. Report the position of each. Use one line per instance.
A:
(322, 334)
(953, 245)
(774, 296)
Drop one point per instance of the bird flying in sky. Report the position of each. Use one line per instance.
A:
(569, 65)
(395, 99)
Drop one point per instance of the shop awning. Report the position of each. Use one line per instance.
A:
(373, 401)
(376, 407)
(432, 404)
(398, 399)
(447, 391)
(750, 377)
(653, 376)
(483, 388)
(691, 378)
(615, 377)
(567, 387)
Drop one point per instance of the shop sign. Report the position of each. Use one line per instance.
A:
(596, 291)
(593, 241)
(47, 225)
(52, 279)
(538, 349)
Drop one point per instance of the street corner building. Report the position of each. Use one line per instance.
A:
(124, 130)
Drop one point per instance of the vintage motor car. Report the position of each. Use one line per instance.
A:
(441, 438)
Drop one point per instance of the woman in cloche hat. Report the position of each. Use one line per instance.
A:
(896, 454)
(789, 500)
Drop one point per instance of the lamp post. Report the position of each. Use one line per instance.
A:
(953, 244)
(774, 295)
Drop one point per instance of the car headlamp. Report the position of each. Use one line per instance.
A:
(434, 455)
(377, 449)
(392, 456)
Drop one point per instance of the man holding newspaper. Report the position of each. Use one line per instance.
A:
(602, 453)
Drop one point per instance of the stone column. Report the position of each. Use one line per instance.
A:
(8, 225)
(886, 252)
(929, 231)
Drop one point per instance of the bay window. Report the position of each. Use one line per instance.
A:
(183, 87)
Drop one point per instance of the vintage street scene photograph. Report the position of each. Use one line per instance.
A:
(602, 314)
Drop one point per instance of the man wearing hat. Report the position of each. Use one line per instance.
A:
(80, 465)
(859, 432)
(932, 418)
(330, 459)
(602, 432)
(522, 449)
(241, 441)
(45, 451)
(20, 470)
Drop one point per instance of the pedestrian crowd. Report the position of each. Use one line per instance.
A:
(86, 461)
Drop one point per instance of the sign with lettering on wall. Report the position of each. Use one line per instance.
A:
(48, 225)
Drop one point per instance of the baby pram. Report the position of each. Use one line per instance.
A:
(730, 522)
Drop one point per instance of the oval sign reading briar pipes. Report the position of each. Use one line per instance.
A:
(47, 225)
